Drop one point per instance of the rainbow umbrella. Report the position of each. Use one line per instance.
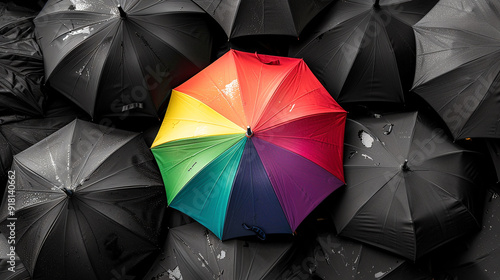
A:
(251, 144)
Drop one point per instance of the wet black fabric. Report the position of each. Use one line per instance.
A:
(21, 63)
(113, 65)
(363, 52)
(192, 252)
(458, 65)
(409, 188)
(89, 204)
(260, 17)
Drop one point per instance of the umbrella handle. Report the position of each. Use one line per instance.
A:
(267, 61)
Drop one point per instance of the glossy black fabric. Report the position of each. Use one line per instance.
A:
(363, 52)
(21, 64)
(409, 189)
(113, 65)
(89, 204)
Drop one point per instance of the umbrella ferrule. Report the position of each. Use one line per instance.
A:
(249, 132)
(376, 5)
(123, 15)
(68, 192)
(405, 167)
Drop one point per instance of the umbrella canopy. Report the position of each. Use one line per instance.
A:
(251, 143)
(192, 252)
(494, 150)
(364, 50)
(458, 65)
(476, 257)
(88, 199)
(121, 58)
(11, 267)
(409, 188)
(271, 17)
(21, 64)
(339, 258)
(330, 257)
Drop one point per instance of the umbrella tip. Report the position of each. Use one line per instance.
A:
(249, 132)
(122, 12)
(68, 192)
(405, 167)
(376, 5)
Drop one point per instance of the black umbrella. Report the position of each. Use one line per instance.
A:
(409, 188)
(475, 257)
(275, 17)
(336, 258)
(494, 149)
(21, 64)
(458, 65)
(121, 58)
(364, 50)
(192, 252)
(11, 267)
(89, 204)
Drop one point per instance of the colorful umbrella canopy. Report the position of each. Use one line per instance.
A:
(121, 58)
(21, 63)
(458, 65)
(89, 203)
(364, 50)
(192, 252)
(409, 189)
(251, 143)
(274, 17)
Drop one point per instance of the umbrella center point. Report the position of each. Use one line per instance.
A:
(123, 15)
(405, 167)
(249, 133)
(68, 192)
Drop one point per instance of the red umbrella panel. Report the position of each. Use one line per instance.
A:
(252, 142)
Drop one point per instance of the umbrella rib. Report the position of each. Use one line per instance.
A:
(112, 220)
(199, 152)
(33, 172)
(225, 99)
(114, 173)
(286, 106)
(83, 26)
(88, 157)
(452, 99)
(452, 196)
(268, 101)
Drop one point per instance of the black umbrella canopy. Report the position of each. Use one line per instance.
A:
(192, 252)
(11, 267)
(476, 257)
(409, 188)
(259, 17)
(121, 58)
(364, 50)
(89, 204)
(339, 258)
(494, 150)
(21, 63)
(458, 65)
